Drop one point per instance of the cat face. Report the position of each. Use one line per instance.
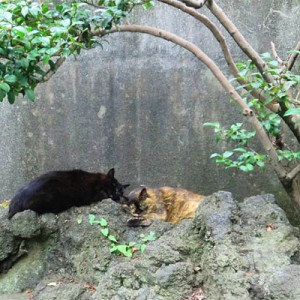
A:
(137, 201)
(114, 188)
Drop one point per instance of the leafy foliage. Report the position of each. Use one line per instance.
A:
(243, 156)
(126, 249)
(279, 91)
(35, 38)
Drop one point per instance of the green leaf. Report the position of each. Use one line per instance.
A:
(30, 94)
(150, 237)
(243, 150)
(24, 11)
(34, 10)
(294, 51)
(266, 55)
(256, 84)
(11, 97)
(79, 221)
(212, 124)
(112, 248)
(112, 238)
(288, 84)
(124, 250)
(105, 231)
(143, 247)
(2, 95)
(273, 63)
(268, 100)
(5, 87)
(215, 155)
(20, 31)
(24, 63)
(92, 219)
(227, 154)
(292, 111)
(261, 164)
(247, 168)
(10, 78)
(149, 4)
(103, 222)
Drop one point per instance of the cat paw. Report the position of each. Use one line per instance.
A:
(137, 222)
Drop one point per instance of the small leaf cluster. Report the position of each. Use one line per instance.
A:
(285, 81)
(111, 12)
(241, 157)
(234, 133)
(288, 155)
(126, 249)
(270, 121)
(281, 90)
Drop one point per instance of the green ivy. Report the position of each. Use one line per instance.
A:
(126, 249)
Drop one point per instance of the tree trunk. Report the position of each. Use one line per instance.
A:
(293, 190)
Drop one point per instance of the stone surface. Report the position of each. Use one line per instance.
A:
(230, 250)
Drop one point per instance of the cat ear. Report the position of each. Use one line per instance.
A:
(111, 173)
(143, 194)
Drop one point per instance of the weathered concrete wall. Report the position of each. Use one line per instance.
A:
(139, 105)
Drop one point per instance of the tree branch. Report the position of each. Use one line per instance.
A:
(254, 56)
(195, 3)
(247, 112)
(50, 73)
(292, 174)
(240, 40)
(276, 56)
(222, 41)
(293, 57)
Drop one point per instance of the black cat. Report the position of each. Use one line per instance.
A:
(57, 191)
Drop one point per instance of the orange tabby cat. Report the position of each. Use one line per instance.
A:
(165, 204)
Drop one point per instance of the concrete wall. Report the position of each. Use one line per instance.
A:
(139, 104)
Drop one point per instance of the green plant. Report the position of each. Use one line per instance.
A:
(35, 39)
(243, 156)
(126, 249)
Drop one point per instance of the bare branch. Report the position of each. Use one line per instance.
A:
(195, 3)
(247, 112)
(50, 73)
(222, 41)
(212, 27)
(254, 56)
(240, 40)
(292, 174)
(293, 57)
(276, 56)
(188, 46)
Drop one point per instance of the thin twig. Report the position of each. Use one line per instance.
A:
(293, 57)
(240, 40)
(194, 3)
(292, 174)
(258, 94)
(50, 73)
(276, 56)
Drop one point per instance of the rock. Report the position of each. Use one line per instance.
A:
(230, 250)
(242, 260)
